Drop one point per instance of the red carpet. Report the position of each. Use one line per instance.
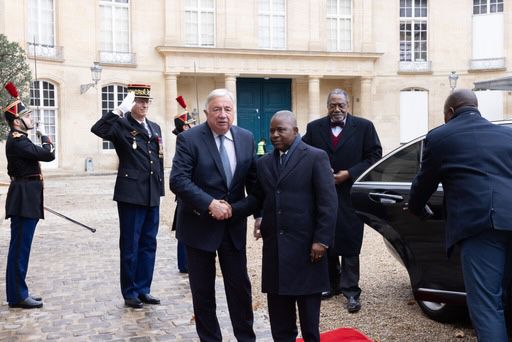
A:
(342, 335)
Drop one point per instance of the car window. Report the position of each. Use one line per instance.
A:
(400, 166)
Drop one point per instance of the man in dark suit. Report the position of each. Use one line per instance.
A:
(472, 158)
(296, 193)
(352, 145)
(139, 185)
(213, 165)
(24, 203)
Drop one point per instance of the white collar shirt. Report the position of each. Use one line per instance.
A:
(229, 146)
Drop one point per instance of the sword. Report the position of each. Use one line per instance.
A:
(54, 212)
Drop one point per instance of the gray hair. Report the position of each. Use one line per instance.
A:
(220, 92)
(337, 91)
(286, 114)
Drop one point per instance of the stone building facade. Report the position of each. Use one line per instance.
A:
(394, 57)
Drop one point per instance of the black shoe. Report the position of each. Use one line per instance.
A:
(36, 298)
(27, 303)
(184, 271)
(133, 303)
(353, 305)
(327, 295)
(146, 298)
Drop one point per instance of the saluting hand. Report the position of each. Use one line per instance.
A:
(317, 251)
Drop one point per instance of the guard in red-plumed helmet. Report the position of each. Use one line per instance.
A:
(182, 122)
(24, 203)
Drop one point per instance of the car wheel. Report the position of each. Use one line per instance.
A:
(442, 312)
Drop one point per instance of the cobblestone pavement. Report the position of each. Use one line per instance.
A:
(77, 274)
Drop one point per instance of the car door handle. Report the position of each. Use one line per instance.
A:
(385, 198)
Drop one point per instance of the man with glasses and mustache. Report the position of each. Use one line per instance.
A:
(139, 186)
(353, 145)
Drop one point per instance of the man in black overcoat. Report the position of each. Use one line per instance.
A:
(352, 145)
(472, 159)
(297, 198)
(24, 203)
(139, 186)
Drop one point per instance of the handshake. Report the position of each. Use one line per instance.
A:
(220, 210)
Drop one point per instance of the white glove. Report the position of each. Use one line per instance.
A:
(126, 105)
(40, 131)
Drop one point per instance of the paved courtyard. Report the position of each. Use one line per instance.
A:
(77, 274)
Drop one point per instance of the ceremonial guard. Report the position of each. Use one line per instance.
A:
(139, 186)
(182, 122)
(24, 203)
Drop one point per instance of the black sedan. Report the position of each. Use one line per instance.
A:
(380, 197)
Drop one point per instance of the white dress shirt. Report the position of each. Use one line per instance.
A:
(229, 145)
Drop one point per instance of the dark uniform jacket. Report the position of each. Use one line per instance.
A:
(140, 176)
(25, 195)
(197, 177)
(472, 158)
(358, 148)
(299, 208)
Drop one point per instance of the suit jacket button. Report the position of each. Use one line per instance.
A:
(279, 212)
(151, 172)
(149, 152)
(281, 232)
(126, 175)
(151, 162)
(278, 191)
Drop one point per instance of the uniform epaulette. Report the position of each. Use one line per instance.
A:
(16, 135)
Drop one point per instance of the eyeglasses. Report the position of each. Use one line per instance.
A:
(336, 105)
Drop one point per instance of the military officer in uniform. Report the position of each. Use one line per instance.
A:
(139, 186)
(24, 203)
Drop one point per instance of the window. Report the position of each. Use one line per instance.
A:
(43, 102)
(272, 24)
(200, 22)
(111, 96)
(413, 30)
(41, 29)
(339, 25)
(488, 35)
(115, 32)
(400, 166)
(490, 104)
(487, 6)
(413, 114)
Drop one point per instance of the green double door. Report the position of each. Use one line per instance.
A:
(257, 100)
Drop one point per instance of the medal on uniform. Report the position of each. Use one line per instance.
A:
(134, 134)
(160, 147)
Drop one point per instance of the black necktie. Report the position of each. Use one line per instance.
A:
(282, 160)
(339, 124)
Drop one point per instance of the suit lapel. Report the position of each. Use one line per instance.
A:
(211, 146)
(268, 168)
(295, 158)
(238, 151)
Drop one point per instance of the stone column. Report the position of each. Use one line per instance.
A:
(366, 98)
(230, 84)
(314, 97)
(171, 109)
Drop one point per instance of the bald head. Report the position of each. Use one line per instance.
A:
(287, 116)
(459, 98)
